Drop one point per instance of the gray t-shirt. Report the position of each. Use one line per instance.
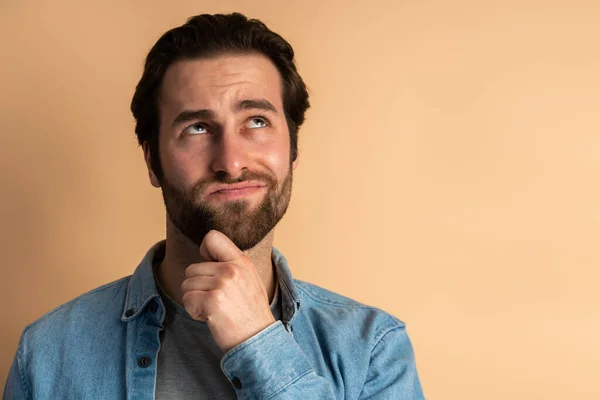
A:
(189, 360)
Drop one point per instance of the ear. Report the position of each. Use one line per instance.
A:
(153, 178)
(296, 161)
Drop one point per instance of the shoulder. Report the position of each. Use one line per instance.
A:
(337, 309)
(96, 306)
(71, 340)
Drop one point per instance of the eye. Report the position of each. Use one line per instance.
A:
(256, 122)
(196, 129)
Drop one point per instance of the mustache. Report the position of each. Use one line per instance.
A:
(224, 178)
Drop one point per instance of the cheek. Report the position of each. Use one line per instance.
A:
(181, 168)
(278, 158)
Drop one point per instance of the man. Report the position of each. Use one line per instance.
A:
(213, 311)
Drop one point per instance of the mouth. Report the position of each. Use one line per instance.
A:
(236, 190)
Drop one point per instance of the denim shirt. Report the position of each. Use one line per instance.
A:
(105, 343)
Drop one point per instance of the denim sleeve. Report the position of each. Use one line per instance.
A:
(15, 386)
(392, 371)
(251, 366)
(273, 352)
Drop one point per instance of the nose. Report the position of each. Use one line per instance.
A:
(230, 156)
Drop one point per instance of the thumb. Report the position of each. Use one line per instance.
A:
(217, 247)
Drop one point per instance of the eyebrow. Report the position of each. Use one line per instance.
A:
(191, 115)
(256, 104)
(252, 104)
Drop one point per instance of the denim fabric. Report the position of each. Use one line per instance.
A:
(104, 345)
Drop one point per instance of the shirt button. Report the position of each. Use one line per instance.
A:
(236, 383)
(153, 306)
(144, 361)
(129, 313)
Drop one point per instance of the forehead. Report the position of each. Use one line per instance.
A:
(220, 81)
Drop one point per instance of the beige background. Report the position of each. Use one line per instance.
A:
(449, 172)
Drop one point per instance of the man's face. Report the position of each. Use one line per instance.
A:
(224, 148)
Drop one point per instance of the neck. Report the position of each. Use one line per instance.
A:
(181, 252)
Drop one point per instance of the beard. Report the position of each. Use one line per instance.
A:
(244, 226)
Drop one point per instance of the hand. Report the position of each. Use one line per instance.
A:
(227, 292)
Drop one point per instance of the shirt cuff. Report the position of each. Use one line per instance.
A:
(265, 363)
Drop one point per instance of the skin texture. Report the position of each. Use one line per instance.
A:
(210, 276)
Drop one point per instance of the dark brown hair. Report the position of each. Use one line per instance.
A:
(206, 36)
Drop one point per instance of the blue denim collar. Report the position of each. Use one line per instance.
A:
(141, 289)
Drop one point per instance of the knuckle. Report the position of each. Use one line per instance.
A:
(220, 284)
(217, 296)
(230, 270)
